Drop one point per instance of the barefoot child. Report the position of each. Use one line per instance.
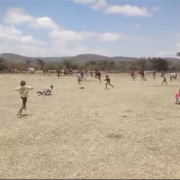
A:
(23, 91)
(46, 91)
(108, 82)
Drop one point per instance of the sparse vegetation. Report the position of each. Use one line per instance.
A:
(110, 65)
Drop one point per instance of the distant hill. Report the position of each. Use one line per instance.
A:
(15, 57)
(79, 58)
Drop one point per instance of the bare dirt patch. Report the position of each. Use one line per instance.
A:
(129, 131)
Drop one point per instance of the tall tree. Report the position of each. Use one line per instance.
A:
(103, 64)
(41, 63)
(159, 64)
(27, 63)
(142, 63)
(3, 64)
(67, 63)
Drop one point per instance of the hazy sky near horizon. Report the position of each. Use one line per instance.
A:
(104, 27)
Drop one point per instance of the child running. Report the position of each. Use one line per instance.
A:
(108, 82)
(175, 76)
(98, 75)
(164, 78)
(133, 75)
(171, 76)
(46, 91)
(142, 75)
(23, 91)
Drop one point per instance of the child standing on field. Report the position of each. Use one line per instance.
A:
(108, 82)
(23, 91)
(164, 78)
(79, 77)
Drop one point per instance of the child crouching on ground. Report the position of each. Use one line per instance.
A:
(46, 91)
(23, 90)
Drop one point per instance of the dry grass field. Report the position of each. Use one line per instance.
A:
(131, 131)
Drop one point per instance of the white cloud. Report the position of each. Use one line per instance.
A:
(167, 53)
(85, 1)
(125, 10)
(43, 22)
(44, 51)
(63, 42)
(94, 4)
(99, 5)
(111, 37)
(30, 40)
(10, 30)
(128, 10)
(10, 34)
(66, 35)
(17, 16)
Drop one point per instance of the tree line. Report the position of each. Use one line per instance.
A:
(155, 64)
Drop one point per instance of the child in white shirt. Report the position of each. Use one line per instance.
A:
(23, 91)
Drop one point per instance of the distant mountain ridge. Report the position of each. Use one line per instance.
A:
(79, 58)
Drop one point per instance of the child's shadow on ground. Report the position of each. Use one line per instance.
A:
(24, 115)
(45, 95)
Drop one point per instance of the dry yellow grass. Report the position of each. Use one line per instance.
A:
(131, 131)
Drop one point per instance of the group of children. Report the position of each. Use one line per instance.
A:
(173, 75)
(80, 76)
(24, 89)
(142, 75)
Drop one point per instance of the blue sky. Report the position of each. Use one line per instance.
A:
(106, 27)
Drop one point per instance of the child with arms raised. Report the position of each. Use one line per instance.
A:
(23, 91)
